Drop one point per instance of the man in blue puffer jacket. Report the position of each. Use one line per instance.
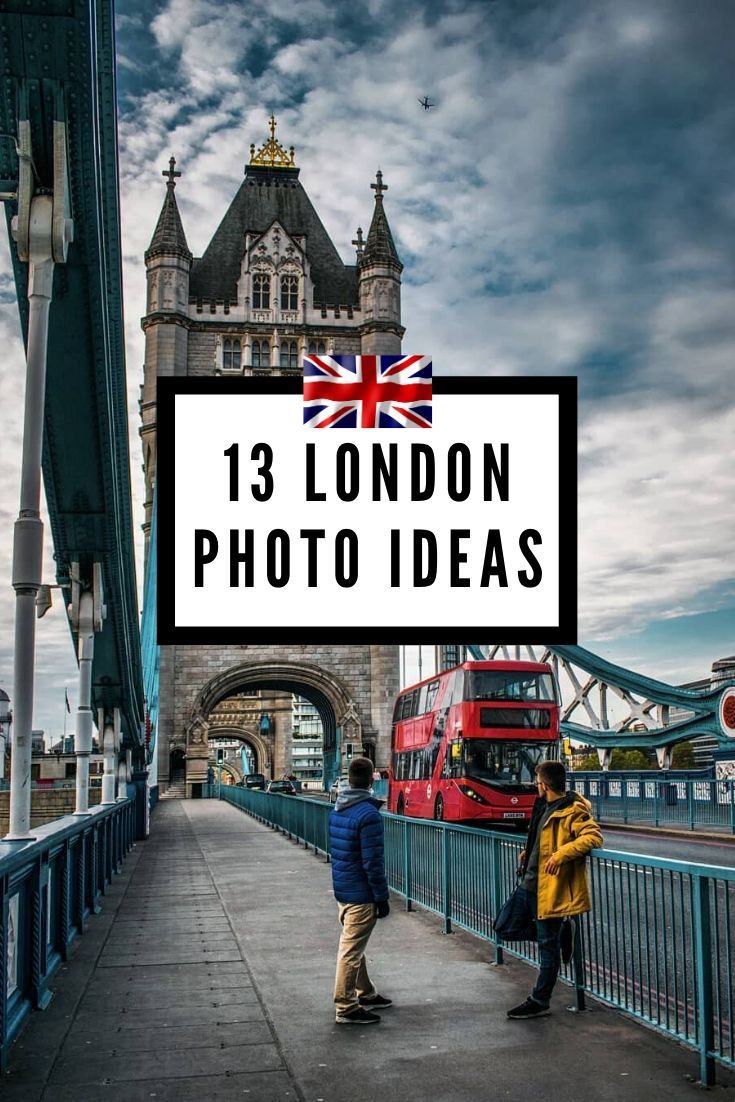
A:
(361, 890)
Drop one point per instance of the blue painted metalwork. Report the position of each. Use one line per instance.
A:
(58, 64)
(658, 943)
(48, 888)
(659, 799)
(704, 704)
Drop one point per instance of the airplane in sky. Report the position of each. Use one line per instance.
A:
(426, 103)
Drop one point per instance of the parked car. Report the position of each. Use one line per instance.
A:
(283, 788)
(343, 781)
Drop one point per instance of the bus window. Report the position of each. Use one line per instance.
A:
(397, 709)
(457, 687)
(504, 762)
(422, 701)
(431, 695)
(434, 751)
(511, 685)
(453, 760)
(409, 705)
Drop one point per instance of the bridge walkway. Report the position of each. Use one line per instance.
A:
(208, 975)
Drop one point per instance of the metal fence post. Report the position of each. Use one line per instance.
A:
(495, 893)
(703, 964)
(40, 994)
(95, 857)
(690, 803)
(80, 877)
(731, 793)
(446, 881)
(578, 965)
(407, 864)
(66, 891)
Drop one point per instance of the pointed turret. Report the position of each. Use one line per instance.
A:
(379, 247)
(169, 238)
(168, 263)
(379, 272)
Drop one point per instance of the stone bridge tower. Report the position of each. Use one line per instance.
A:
(269, 288)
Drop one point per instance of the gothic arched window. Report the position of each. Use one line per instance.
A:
(321, 348)
(289, 292)
(289, 354)
(261, 292)
(231, 354)
(261, 354)
(317, 349)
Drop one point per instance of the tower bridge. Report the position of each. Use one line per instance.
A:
(268, 287)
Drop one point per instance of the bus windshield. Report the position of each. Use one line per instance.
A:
(504, 762)
(510, 685)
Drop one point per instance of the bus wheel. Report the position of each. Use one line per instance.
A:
(401, 809)
(439, 809)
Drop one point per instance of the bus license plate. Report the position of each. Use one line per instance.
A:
(514, 815)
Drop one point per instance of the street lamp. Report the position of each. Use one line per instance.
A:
(43, 599)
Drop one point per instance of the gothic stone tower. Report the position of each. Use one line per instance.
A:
(269, 288)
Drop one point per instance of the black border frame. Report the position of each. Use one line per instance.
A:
(565, 630)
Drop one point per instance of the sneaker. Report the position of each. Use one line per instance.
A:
(566, 939)
(358, 1016)
(375, 1001)
(529, 1009)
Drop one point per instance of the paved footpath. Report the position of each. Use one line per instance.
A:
(208, 976)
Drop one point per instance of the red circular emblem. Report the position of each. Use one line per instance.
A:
(728, 712)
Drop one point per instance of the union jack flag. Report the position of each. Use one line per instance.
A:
(369, 392)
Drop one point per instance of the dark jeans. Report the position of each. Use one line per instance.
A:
(549, 952)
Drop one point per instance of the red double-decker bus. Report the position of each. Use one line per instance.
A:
(467, 741)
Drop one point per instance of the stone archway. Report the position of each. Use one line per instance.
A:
(262, 752)
(323, 689)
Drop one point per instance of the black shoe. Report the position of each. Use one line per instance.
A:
(375, 1001)
(566, 939)
(358, 1016)
(529, 1009)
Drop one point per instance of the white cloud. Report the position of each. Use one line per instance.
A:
(653, 534)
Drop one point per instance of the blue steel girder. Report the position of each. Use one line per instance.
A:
(703, 707)
(58, 64)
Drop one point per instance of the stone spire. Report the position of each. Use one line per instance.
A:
(379, 246)
(169, 238)
(379, 283)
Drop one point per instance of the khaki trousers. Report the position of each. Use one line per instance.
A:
(352, 980)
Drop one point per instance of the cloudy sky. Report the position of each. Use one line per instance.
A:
(567, 209)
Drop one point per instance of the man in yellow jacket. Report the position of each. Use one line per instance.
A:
(561, 834)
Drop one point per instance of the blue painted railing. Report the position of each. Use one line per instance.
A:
(658, 943)
(48, 888)
(659, 800)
